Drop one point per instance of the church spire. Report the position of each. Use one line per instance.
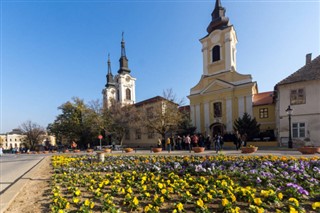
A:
(219, 20)
(110, 80)
(123, 59)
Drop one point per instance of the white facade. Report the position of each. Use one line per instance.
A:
(14, 140)
(126, 87)
(122, 87)
(305, 118)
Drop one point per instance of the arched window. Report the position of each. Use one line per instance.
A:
(128, 94)
(217, 109)
(216, 53)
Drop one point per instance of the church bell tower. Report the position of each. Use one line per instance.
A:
(120, 88)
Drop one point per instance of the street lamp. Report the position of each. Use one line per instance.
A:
(100, 137)
(289, 112)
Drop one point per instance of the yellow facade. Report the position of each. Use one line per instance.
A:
(266, 123)
(221, 88)
(222, 94)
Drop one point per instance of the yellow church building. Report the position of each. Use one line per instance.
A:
(222, 95)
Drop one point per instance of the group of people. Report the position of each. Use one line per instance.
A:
(187, 142)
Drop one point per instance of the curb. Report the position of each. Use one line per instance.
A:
(8, 196)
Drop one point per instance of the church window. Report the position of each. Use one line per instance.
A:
(216, 53)
(118, 95)
(297, 96)
(128, 94)
(217, 109)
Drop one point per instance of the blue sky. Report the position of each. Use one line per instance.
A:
(52, 51)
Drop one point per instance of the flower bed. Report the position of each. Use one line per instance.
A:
(185, 184)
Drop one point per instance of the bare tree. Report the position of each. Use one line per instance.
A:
(119, 119)
(163, 117)
(34, 133)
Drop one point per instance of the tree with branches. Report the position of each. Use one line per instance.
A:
(34, 133)
(77, 122)
(163, 117)
(119, 119)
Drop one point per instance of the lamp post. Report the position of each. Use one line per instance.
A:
(100, 137)
(289, 112)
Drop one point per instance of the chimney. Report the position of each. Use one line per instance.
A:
(308, 58)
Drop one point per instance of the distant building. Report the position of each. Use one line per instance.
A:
(16, 139)
(144, 137)
(13, 139)
(300, 90)
(120, 87)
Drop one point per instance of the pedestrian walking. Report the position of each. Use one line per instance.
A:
(208, 142)
(218, 142)
(187, 143)
(159, 144)
(168, 142)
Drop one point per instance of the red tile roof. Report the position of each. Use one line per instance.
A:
(263, 98)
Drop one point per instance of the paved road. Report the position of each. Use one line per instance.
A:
(12, 167)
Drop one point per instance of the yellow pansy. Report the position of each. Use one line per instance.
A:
(87, 202)
(75, 200)
(179, 206)
(129, 190)
(315, 205)
(135, 201)
(200, 203)
(292, 210)
(233, 198)
(224, 201)
(188, 194)
(144, 188)
(147, 194)
(280, 196)
(160, 185)
(235, 210)
(295, 201)
(257, 201)
(91, 205)
(147, 208)
(77, 192)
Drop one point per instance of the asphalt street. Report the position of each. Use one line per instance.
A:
(13, 166)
